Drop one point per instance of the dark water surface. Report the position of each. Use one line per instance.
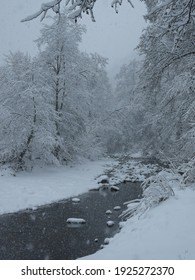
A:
(44, 234)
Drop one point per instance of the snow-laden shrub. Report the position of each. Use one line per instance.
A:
(155, 190)
(187, 170)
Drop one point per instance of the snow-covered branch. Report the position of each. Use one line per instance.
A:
(76, 8)
(54, 5)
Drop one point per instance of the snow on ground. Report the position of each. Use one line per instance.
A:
(166, 231)
(46, 185)
(131, 170)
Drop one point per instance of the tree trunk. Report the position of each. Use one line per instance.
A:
(29, 140)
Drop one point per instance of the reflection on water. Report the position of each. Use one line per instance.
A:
(44, 234)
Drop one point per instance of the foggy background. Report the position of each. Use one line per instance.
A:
(114, 36)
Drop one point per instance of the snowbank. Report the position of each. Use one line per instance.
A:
(164, 232)
(46, 185)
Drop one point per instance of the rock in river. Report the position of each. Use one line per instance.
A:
(75, 221)
(110, 223)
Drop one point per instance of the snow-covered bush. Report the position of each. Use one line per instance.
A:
(187, 170)
(155, 190)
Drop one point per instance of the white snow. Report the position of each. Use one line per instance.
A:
(46, 185)
(166, 231)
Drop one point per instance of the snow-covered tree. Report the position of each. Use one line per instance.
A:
(79, 86)
(127, 80)
(126, 105)
(99, 101)
(59, 58)
(167, 77)
(26, 115)
(53, 107)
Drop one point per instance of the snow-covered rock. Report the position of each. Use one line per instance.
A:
(117, 208)
(106, 241)
(103, 179)
(75, 221)
(110, 223)
(114, 189)
(121, 225)
(76, 200)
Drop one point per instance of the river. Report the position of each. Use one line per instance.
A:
(45, 234)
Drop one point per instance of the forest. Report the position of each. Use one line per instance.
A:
(61, 105)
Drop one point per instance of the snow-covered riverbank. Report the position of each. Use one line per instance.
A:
(166, 231)
(46, 185)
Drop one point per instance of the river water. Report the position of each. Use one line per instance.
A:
(44, 233)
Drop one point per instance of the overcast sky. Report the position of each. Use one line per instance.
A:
(113, 35)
